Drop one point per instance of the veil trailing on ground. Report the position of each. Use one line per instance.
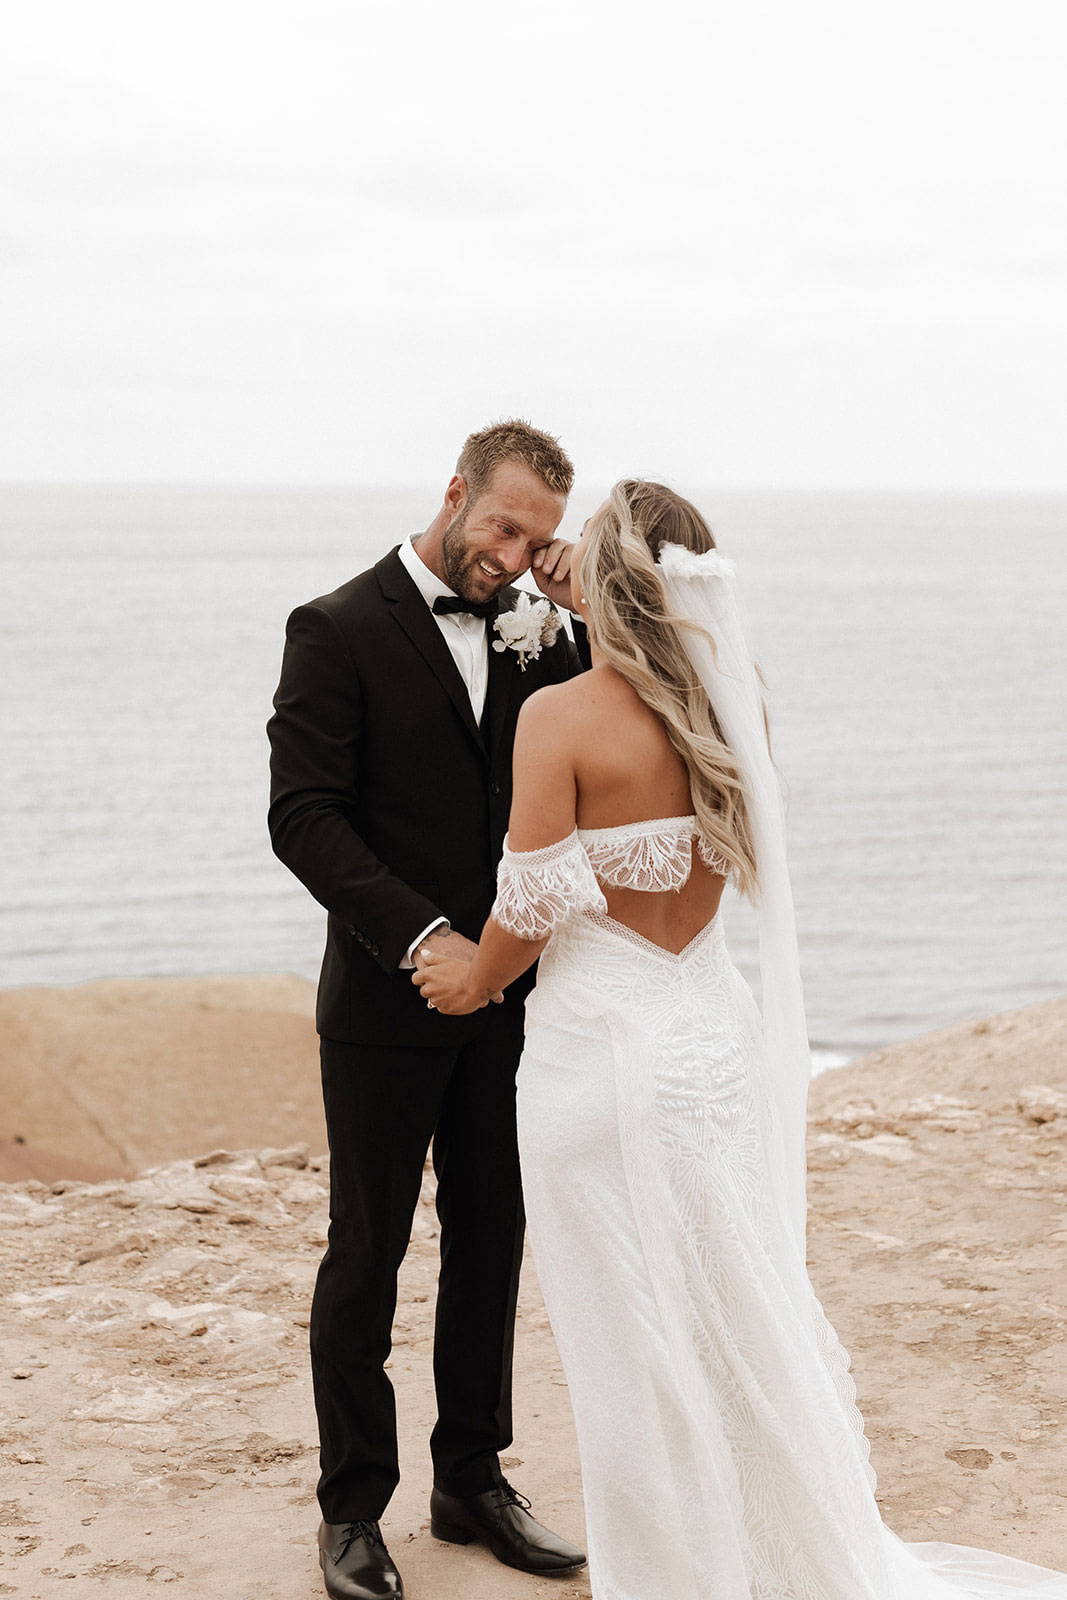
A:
(701, 591)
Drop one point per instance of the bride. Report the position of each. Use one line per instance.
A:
(661, 1113)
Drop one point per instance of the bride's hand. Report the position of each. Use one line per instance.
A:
(445, 985)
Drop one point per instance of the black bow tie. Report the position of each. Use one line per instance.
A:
(450, 605)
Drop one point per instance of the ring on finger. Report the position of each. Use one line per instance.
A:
(430, 1005)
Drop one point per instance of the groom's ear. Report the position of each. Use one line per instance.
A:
(456, 494)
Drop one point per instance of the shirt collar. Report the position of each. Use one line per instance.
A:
(429, 585)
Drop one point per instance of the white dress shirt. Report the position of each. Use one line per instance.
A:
(465, 636)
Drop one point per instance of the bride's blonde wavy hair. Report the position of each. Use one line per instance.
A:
(635, 631)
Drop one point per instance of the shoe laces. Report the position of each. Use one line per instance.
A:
(361, 1530)
(506, 1495)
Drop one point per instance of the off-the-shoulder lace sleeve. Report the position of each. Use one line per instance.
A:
(712, 859)
(536, 890)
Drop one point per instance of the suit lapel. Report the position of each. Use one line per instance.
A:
(416, 619)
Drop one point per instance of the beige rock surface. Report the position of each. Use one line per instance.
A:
(158, 1425)
(938, 1244)
(157, 1420)
(105, 1078)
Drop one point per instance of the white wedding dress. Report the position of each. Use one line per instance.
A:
(722, 1454)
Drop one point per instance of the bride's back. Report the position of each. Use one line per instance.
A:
(627, 770)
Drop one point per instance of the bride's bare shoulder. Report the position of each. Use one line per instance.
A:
(572, 706)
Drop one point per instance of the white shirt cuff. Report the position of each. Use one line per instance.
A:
(408, 962)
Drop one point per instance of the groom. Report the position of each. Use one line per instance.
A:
(391, 747)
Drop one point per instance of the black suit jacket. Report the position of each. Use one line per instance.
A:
(388, 801)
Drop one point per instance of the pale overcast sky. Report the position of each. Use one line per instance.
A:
(762, 244)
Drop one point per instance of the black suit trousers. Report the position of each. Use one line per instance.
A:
(384, 1104)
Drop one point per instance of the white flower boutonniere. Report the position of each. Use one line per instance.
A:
(527, 629)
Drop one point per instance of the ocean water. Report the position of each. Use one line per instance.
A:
(915, 652)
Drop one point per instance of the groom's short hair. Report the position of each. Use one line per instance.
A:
(515, 440)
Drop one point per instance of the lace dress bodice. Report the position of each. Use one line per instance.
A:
(537, 890)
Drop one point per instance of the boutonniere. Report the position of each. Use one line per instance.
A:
(527, 629)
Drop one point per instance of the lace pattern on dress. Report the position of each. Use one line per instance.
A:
(712, 859)
(536, 890)
(651, 856)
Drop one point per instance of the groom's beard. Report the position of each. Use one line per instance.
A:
(461, 564)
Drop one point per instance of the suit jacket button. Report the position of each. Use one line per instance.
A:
(494, 788)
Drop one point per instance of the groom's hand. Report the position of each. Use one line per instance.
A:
(551, 568)
(450, 945)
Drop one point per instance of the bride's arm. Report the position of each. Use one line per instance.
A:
(543, 810)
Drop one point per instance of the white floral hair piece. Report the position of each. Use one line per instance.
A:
(678, 562)
(527, 629)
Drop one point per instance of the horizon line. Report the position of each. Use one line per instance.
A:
(409, 486)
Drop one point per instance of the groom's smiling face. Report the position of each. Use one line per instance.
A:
(492, 538)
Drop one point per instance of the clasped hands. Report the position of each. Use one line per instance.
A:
(443, 964)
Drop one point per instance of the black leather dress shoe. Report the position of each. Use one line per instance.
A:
(501, 1519)
(356, 1564)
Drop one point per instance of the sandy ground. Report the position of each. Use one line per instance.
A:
(157, 1421)
(103, 1079)
(938, 1243)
